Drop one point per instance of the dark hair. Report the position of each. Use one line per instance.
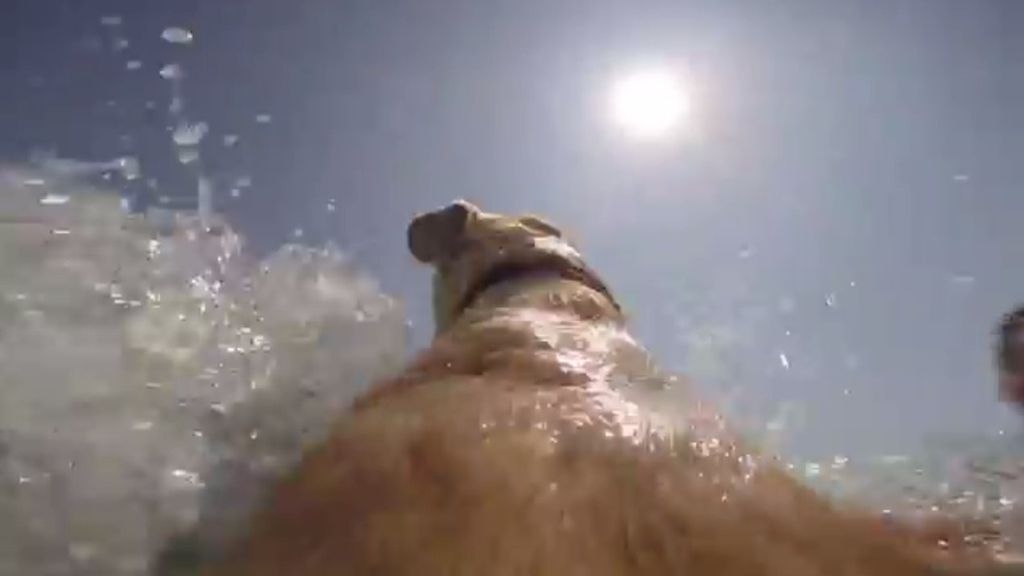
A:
(1011, 327)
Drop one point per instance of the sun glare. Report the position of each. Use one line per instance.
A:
(649, 104)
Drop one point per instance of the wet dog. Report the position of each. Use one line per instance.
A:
(535, 436)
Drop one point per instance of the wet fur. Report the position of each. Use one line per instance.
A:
(507, 448)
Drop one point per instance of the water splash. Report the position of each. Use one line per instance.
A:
(975, 480)
(144, 374)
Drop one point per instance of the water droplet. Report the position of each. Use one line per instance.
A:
(235, 193)
(746, 252)
(54, 199)
(187, 476)
(121, 44)
(130, 168)
(186, 134)
(172, 72)
(142, 425)
(133, 65)
(330, 206)
(34, 182)
(177, 36)
(263, 118)
(60, 232)
(298, 233)
(254, 434)
(961, 177)
(830, 300)
(784, 360)
(230, 140)
(188, 155)
(111, 20)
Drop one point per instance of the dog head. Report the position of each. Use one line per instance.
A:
(473, 251)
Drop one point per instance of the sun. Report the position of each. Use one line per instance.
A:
(649, 104)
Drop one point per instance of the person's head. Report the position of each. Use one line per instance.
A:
(1010, 357)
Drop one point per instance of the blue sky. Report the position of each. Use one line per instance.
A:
(849, 195)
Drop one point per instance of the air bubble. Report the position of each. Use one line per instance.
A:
(133, 65)
(263, 118)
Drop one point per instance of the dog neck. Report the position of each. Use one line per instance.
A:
(544, 291)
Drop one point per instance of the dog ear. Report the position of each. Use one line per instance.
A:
(540, 225)
(436, 235)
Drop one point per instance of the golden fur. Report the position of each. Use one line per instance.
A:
(535, 437)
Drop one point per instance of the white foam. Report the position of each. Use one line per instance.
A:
(152, 382)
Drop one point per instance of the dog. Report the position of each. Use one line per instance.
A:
(535, 436)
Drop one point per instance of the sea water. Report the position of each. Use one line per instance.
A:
(154, 377)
